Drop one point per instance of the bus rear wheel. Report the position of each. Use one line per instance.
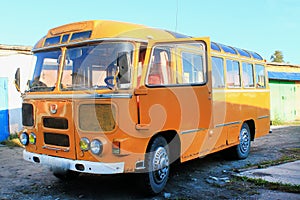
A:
(158, 166)
(242, 150)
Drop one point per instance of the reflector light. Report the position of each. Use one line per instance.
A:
(116, 146)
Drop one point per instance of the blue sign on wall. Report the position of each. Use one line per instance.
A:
(4, 127)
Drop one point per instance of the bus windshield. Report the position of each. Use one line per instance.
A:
(98, 66)
(46, 71)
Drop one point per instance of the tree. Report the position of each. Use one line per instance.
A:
(277, 57)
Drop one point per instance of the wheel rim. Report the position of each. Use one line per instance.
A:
(244, 140)
(160, 165)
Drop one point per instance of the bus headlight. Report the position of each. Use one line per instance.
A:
(96, 147)
(24, 138)
(84, 144)
(32, 138)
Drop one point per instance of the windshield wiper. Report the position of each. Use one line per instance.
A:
(40, 88)
(82, 87)
(75, 87)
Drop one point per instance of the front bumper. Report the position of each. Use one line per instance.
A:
(74, 165)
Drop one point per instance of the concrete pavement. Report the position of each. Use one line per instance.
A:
(288, 173)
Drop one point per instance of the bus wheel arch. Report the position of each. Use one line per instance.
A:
(173, 140)
(242, 150)
(163, 149)
(251, 126)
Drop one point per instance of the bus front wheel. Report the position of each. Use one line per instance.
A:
(65, 175)
(157, 164)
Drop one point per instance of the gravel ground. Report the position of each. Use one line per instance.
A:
(206, 178)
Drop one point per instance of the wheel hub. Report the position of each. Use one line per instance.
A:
(244, 140)
(160, 164)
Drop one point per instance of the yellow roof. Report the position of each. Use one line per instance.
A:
(108, 29)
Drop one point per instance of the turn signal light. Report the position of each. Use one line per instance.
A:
(84, 144)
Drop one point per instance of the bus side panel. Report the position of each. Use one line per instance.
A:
(187, 110)
(263, 113)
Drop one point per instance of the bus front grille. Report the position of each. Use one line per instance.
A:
(56, 139)
(57, 123)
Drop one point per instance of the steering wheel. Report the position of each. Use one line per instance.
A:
(107, 81)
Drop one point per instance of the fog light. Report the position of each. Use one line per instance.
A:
(24, 138)
(32, 138)
(84, 144)
(96, 147)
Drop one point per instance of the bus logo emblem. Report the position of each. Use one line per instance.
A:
(53, 108)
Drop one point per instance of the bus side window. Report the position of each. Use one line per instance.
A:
(233, 73)
(260, 76)
(248, 77)
(218, 72)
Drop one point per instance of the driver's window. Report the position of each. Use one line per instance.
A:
(96, 66)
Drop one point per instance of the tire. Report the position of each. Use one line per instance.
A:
(242, 150)
(158, 167)
(65, 175)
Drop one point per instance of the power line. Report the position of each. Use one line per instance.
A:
(176, 23)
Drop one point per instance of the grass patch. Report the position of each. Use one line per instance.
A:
(12, 141)
(290, 155)
(294, 123)
(271, 186)
(277, 121)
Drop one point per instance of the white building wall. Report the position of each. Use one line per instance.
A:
(8, 66)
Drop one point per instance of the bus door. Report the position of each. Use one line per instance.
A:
(175, 93)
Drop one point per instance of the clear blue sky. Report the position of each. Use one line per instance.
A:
(258, 25)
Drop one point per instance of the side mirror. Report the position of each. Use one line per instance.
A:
(123, 62)
(17, 80)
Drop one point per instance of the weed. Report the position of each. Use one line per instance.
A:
(290, 155)
(12, 141)
(272, 186)
(277, 121)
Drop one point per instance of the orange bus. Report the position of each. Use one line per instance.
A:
(110, 97)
